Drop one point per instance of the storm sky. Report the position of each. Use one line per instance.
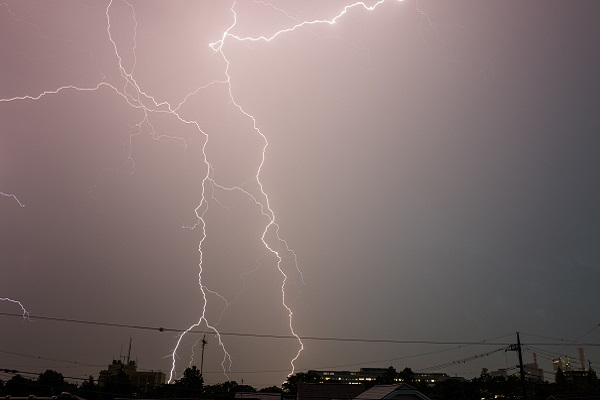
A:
(433, 168)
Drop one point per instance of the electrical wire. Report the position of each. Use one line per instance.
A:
(461, 361)
(456, 344)
(12, 353)
(272, 336)
(253, 335)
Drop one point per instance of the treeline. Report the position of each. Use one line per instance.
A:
(191, 386)
(118, 385)
(49, 383)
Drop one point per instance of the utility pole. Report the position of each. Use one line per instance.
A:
(521, 370)
(517, 348)
(202, 359)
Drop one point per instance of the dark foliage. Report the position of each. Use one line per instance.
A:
(290, 386)
(191, 386)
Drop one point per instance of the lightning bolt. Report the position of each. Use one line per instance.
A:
(8, 300)
(148, 105)
(217, 46)
(11, 195)
(267, 211)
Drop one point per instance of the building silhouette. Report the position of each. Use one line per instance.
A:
(143, 381)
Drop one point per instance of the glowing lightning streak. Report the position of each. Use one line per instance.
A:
(266, 208)
(14, 197)
(136, 98)
(130, 81)
(25, 312)
(216, 46)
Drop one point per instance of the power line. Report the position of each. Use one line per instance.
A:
(12, 353)
(545, 355)
(253, 335)
(273, 336)
(582, 336)
(17, 372)
(77, 363)
(461, 361)
(459, 347)
(546, 337)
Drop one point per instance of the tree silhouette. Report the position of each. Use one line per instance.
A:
(52, 383)
(191, 382)
(561, 380)
(89, 389)
(243, 388)
(388, 377)
(224, 387)
(117, 384)
(18, 386)
(290, 386)
(271, 389)
(592, 382)
(407, 375)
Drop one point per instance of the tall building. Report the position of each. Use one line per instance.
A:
(371, 374)
(533, 373)
(364, 374)
(561, 362)
(142, 380)
(581, 356)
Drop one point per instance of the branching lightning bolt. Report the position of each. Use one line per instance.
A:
(266, 209)
(147, 104)
(218, 44)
